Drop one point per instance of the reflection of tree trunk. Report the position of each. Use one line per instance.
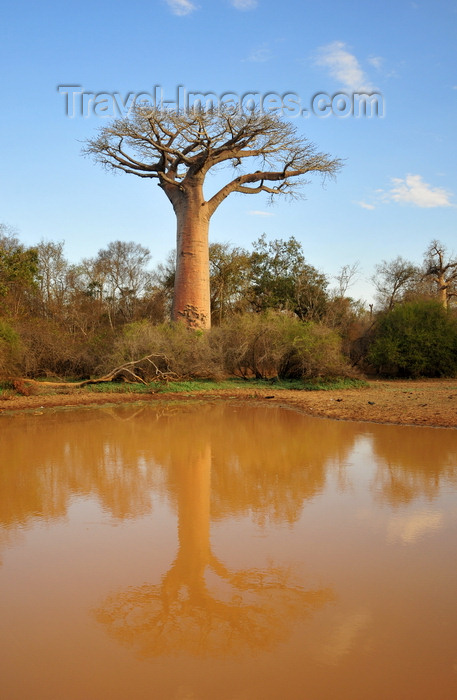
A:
(193, 525)
(194, 506)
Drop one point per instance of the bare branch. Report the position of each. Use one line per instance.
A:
(173, 146)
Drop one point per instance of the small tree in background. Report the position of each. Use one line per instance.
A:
(282, 280)
(415, 339)
(393, 279)
(18, 275)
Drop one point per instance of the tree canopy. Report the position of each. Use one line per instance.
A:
(264, 152)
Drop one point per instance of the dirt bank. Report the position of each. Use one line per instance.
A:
(427, 402)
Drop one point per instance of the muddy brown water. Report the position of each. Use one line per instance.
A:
(225, 552)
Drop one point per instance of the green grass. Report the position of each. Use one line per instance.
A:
(196, 385)
(117, 388)
(202, 385)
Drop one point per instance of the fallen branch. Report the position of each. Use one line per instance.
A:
(129, 369)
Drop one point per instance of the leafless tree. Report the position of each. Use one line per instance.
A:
(392, 279)
(178, 149)
(52, 277)
(442, 271)
(346, 277)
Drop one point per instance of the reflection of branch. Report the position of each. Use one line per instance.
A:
(114, 413)
(181, 614)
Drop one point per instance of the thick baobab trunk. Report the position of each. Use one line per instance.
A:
(191, 300)
(442, 290)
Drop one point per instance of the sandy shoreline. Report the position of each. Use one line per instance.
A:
(423, 403)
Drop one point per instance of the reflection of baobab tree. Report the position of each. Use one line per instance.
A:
(200, 606)
(49, 459)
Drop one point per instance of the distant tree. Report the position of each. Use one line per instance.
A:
(441, 271)
(52, 277)
(393, 279)
(415, 339)
(343, 312)
(118, 277)
(229, 280)
(179, 149)
(18, 274)
(346, 277)
(282, 280)
(163, 277)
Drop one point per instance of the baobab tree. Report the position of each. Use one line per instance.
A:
(178, 149)
(441, 270)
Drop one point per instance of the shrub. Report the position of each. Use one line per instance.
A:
(415, 339)
(10, 349)
(279, 345)
(180, 351)
(50, 349)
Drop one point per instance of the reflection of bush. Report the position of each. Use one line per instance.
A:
(263, 462)
(410, 468)
(266, 462)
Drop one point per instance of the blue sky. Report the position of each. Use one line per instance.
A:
(396, 192)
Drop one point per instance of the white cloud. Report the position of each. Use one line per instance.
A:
(343, 66)
(245, 4)
(181, 7)
(413, 190)
(376, 61)
(365, 205)
(257, 212)
(259, 55)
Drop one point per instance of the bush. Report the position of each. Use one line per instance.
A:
(50, 349)
(279, 345)
(10, 349)
(180, 351)
(416, 339)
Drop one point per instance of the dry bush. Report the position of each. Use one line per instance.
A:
(24, 388)
(178, 351)
(279, 345)
(51, 349)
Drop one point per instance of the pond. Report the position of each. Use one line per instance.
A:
(215, 551)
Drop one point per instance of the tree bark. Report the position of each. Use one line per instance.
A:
(442, 291)
(191, 300)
